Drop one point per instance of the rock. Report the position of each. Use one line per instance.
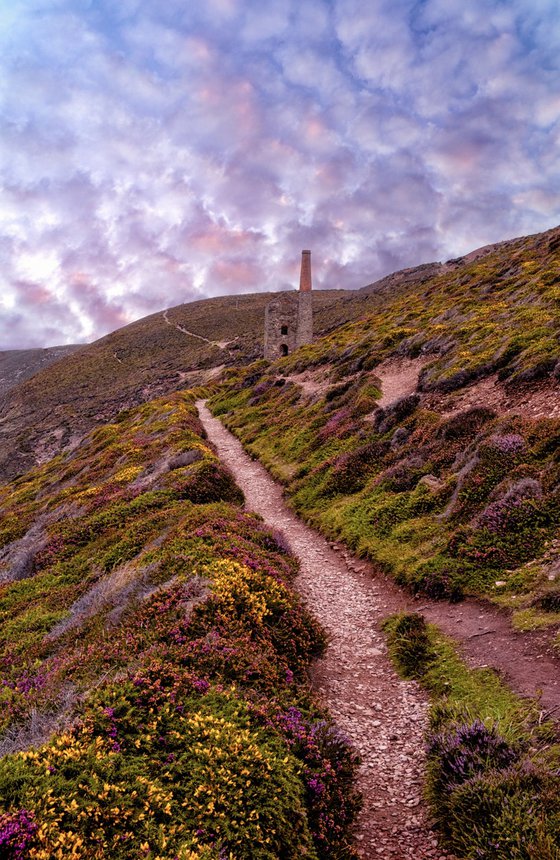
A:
(187, 458)
(431, 483)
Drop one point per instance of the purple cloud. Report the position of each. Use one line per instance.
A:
(156, 153)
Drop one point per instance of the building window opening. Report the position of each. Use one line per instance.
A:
(283, 349)
(284, 329)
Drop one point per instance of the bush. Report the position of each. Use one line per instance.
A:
(462, 751)
(511, 814)
(441, 578)
(466, 424)
(204, 482)
(386, 419)
(351, 470)
(549, 601)
(409, 644)
(17, 831)
(404, 475)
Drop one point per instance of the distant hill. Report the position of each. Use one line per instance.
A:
(17, 365)
(173, 349)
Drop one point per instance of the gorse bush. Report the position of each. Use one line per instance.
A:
(161, 617)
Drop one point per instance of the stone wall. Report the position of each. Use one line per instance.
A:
(305, 319)
(288, 323)
(281, 326)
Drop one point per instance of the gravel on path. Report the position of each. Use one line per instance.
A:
(384, 716)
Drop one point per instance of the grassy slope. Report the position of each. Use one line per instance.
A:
(492, 501)
(150, 622)
(145, 359)
(493, 781)
(17, 365)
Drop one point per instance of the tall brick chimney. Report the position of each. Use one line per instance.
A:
(305, 276)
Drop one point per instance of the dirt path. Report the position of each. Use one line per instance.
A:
(485, 637)
(384, 716)
(399, 377)
(220, 343)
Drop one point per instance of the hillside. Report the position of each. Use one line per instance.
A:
(154, 651)
(431, 310)
(153, 659)
(17, 365)
(425, 438)
(148, 358)
(426, 434)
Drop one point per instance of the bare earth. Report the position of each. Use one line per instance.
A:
(384, 716)
(399, 378)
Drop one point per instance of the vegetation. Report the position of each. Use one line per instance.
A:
(493, 777)
(153, 658)
(448, 505)
(141, 361)
(451, 502)
(153, 654)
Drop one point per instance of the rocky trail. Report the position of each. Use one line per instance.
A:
(384, 716)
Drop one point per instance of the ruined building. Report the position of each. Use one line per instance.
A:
(288, 321)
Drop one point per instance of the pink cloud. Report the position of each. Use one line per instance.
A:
(165, 152)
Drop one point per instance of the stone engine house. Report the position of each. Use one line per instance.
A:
(288, 321)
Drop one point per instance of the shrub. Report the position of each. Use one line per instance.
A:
(17, 831)
(386, 419)
(511, 814)
(404, 475)
(441, 578)
(460, 752)
(465, 424)
(409, 644)
(351, 470)
(549, 601)
(205, 481)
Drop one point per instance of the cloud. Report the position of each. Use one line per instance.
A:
(156, 153)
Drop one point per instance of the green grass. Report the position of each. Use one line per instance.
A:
(492, 770)
(449, 505)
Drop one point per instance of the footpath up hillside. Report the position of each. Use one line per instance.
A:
(426, 435)
(154, 655)
(153, 663)
(425, 438)
(384, 716)
(178, 348)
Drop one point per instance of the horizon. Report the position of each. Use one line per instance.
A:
(265, 292)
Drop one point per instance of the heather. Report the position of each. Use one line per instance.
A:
(153, 662)
(493, 777)
(450, 500)
(450, 505)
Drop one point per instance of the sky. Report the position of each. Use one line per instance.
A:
(154, 152)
